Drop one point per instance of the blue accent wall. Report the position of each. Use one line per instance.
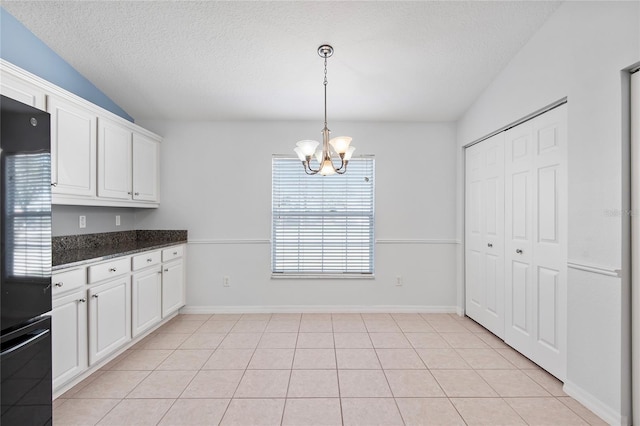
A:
(21, 47)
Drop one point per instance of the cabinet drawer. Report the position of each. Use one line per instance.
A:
(172, 253)
(68, 280)
(109, 269)
(145, 259)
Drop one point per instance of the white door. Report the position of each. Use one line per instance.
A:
(146, 300)
(69, 337)
(114, 161)
(145, 168)
(518, 237)
(484, 228)
(536, 239)
(109, 317)
(549, 132)
(73, 148)
(172, 287)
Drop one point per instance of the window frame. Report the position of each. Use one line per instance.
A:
(315, 275)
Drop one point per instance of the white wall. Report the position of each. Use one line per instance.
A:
(65, 219)
(216, 182)
(579, 53)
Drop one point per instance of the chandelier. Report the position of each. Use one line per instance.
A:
(306, 149)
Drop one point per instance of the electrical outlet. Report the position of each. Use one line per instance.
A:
(399, 280)
(225, 281)
(82, 222)
(117, 220)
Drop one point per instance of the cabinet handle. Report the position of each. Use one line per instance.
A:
(112, 269)
(137, 193)
(82, 300)
(54, 184)
(166, 270)
(95, 296)
(60, 284)
(149, 260)
(175, 253)
(518, 251)
(128, 192)
(489, 245)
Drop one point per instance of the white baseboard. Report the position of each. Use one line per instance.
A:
(605, 412)
(272, 309)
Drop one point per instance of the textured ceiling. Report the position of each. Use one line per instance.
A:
(211, 60)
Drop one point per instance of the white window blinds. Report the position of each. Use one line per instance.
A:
(28, 214)
(322, 224)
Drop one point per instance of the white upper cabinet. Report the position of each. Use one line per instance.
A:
(114, 160)
(127, 163)
(97, 157)
(73, 148)
(146, 167)
(22, 91)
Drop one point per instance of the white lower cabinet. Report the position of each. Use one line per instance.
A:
(99, 307)
(109, 317)
(146, 306)
(69, 336)
(172, 287)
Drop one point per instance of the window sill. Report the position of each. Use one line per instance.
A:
(323, 276)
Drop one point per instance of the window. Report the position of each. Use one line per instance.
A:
(322, 224)
(27, 214)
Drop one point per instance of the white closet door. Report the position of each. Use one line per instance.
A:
(518, 237)
(484, 240)
(536, 239)
(550, 240)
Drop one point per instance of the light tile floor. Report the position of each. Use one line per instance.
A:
(320, 369)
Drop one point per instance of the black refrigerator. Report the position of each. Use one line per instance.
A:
(25, 288)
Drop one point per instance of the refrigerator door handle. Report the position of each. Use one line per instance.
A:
(25, 343)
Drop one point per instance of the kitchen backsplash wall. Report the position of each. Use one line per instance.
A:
(65, 220)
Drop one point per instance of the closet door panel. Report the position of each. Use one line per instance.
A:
(485, 233)
(518, 238)
(550, 240)
(473, 237)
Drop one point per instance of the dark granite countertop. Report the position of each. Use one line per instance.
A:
(75, 250)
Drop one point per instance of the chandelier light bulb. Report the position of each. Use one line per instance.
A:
(340, 144)
(349, 153)
(308, 147)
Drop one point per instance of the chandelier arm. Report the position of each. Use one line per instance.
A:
(307, 167)
(343, 168)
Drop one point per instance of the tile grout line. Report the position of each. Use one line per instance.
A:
(335, 356)
(286, 395)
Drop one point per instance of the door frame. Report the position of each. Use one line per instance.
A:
(634, 194)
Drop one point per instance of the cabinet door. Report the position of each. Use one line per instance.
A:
(69, 337)
(114, 161)
(146, 300)
(15, 88)
(146, 156)
(484, 233)
(73, 148)
(172, 287)
(109, 317)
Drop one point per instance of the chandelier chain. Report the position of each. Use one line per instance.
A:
(325, 91)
